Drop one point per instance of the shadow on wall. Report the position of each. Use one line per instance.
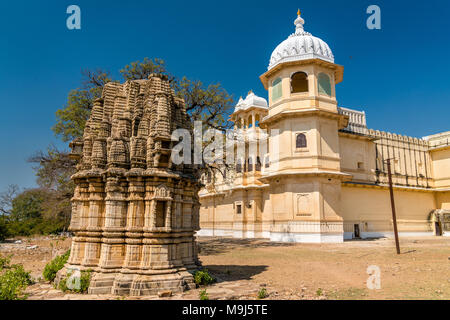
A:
(224, 273)
(212, 246)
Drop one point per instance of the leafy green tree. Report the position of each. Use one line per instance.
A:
(3, 228)
(53, 169)
(6, 199)
(211, 104)
(138, 70)
(71, 119)
(28, 214)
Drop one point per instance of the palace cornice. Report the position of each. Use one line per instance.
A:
(235, 188)
(338, 69)
(250, 186)
(386, 186)
(320, 173)
(356, 135)
(442, 189)
(213, 194)
(343, 119)
(439, 148)
(295, 97)
(243, 111)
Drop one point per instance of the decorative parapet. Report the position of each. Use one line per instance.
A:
(356, 122)
(439, 140)
(397, 137)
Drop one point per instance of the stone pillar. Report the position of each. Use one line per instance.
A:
(113, 247)
(95, 222)
(135, 223)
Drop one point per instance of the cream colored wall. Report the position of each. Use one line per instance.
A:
(441, 167)
(443, 200)
(371, 208)
(219, 212)
(298, 101)
(354, 149)
(305, 199)
(321, 153)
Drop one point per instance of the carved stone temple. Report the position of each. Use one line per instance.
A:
(134, 213)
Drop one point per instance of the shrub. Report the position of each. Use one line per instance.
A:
(319, 292)
(75, 283)
(202, 277)
(203, 295)
(13, 280)
(262, 293)
(4, 262)
(55, 265)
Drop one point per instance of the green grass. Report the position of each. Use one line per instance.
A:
(348, 294)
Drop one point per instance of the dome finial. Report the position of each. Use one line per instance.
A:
(299, 24)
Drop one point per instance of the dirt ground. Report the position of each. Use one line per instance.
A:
(285, 270)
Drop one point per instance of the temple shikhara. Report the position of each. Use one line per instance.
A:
(134, 212)
(323, 177)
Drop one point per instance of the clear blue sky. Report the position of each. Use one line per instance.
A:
(398, 75)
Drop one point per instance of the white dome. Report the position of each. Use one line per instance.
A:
(300, 45)
(252, 100)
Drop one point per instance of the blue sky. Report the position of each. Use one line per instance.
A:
(398, 75)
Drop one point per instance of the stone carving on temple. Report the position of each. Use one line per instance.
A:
(134, 213)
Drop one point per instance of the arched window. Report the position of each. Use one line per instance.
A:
(258, 164)
(299, 82)
(250, 164)
(300, 141)
(276, 89)
(324, 84)
(239, 166)
(257, 120)
(250, 121)
(267, 162)
(209, 177)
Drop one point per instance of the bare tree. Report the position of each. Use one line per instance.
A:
(7, 197)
